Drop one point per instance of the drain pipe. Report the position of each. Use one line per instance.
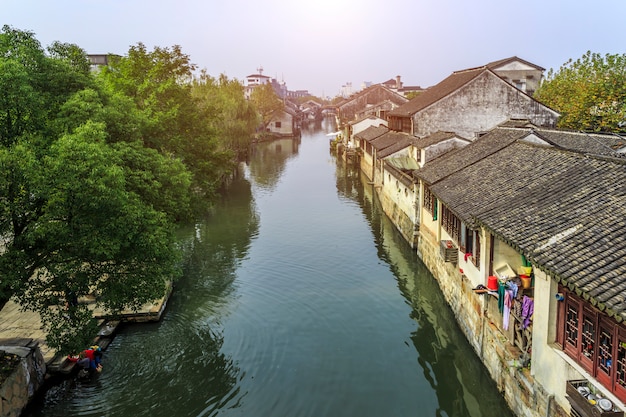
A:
(550, 398)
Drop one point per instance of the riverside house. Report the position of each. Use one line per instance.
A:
(551, 209)
(469, 103)
(376, 100)
(523, 227)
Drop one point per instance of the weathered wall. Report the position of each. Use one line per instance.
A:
(367, 98)
(367, 165)
(479, 319)
(286, 124)
(20, 387)
(398, 216)
(481, 105)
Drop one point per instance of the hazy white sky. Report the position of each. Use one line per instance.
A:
(320, 45)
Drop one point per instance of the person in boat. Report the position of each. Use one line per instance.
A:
(83, 363)
(89, 359)
(97, 357)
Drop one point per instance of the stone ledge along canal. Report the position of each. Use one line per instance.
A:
(299, 298)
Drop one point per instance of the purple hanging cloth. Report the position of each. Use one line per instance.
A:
(528, 307)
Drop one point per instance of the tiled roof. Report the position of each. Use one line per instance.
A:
(565, 211)
(372, 132)
(591, 143)
(468, 155)
(386, 140)
(437, 137)
(573, 227)
(517, 123)
(437, 92)
(391, 143)
(501, 62)
(391, 95)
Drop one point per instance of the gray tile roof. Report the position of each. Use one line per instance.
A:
(517, 123)
(371, 132)
(591, 143)
(392, 142)
(437, 92)
(468, 155)
(437, 137)
(573, 227)
(565, 211)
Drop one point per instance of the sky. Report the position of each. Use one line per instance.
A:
(321, 45)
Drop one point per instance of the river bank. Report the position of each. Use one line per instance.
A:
(28, 362)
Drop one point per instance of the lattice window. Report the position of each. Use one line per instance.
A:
(605, 350)
(571, 325)
(595, 341)
(429, 202)
(451, 224)
(588, 336)
(620, 369)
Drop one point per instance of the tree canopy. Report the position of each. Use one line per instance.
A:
(267, 103)
(590, 93)
(95, 171)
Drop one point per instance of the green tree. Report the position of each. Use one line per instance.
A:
(95, 171)
(226, 111)
(72, 227)
(159, 83)
(34, 85)
(267, 103)
(590, 93)
(85, 207)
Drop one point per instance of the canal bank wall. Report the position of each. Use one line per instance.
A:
(26, 378)
(403, 223)
(478, 317)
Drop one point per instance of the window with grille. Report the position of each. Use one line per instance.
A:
(594, 340)
(451, 224)
(429, 202)
(476, 249)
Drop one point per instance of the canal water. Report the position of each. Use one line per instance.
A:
(299, 298)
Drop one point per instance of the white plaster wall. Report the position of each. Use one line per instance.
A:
(547, 367)
(285, 128)
(429, 227)
(473, 274)
(401, 195)
(433, 151)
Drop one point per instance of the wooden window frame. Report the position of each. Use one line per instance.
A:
(451, 224)
(476, 248)
(429, 201)
(605, 359)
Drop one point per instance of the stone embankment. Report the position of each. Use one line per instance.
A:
(21, 335)
(27, 376)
